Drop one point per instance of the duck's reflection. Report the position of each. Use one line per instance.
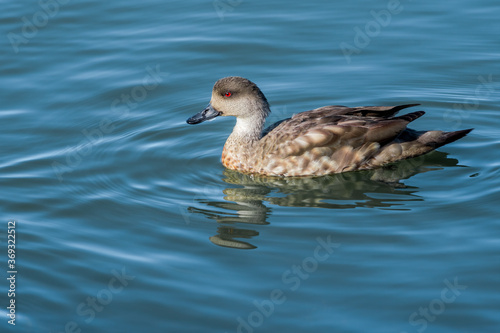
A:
(246, 198)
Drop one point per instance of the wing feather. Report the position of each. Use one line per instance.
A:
(337, 128)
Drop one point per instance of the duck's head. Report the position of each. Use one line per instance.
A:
(234, 96)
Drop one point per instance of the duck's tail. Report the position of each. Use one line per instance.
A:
(448, 137)
(412, 143)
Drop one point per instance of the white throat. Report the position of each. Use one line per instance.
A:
(246, 127)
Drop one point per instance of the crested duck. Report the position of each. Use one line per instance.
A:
(329, 139)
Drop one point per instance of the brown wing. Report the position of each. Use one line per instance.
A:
(345, 137)
(332, 125)
(360, 111)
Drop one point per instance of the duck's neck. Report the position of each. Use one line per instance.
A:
(239, 150)
(248, 130)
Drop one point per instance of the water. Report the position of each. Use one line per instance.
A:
(126, 220)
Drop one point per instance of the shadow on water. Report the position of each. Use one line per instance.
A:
(248, 198)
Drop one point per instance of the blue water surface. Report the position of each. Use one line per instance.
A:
(126, 221)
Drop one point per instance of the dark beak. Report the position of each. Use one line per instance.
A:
(207, 114)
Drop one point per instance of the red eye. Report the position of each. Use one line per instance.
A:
(228, 94)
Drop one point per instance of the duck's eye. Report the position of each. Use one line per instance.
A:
(228, 94)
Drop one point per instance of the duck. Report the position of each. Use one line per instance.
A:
(327, 140)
